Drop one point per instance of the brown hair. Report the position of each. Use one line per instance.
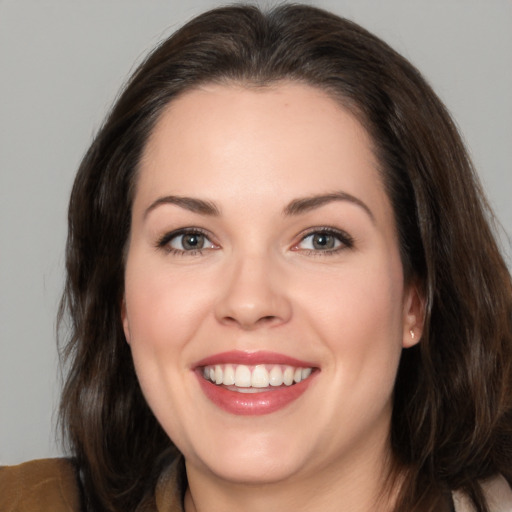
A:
(452, 415)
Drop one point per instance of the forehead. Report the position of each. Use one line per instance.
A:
(285, 140)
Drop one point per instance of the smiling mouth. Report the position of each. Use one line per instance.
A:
(255, 379)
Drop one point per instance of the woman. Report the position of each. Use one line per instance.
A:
(283, 286)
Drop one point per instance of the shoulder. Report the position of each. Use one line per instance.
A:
(39, 486)
(498, 494)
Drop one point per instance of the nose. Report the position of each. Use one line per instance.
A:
(253, 295)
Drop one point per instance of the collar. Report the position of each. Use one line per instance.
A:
(171, 487)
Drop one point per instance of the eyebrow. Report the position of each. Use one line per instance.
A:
(305, 204)
(295, 207)
(188, 203)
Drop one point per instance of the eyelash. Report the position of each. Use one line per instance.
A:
(165, 240)
(344, 239)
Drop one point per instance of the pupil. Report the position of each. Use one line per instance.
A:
(323, 241)
(193, 241)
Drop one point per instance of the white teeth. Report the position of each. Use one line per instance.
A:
(229, 375)
(306, 372)
(252, 378)
(218, 374)
(259, 377)
(276, 376)
(288, 376)
(242, 376)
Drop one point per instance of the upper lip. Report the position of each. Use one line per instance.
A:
(252, 358)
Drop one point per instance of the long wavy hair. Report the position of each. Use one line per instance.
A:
(452, 412)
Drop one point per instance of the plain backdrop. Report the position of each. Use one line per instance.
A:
(61, 65)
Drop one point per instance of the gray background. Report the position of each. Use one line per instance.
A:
(61, 65)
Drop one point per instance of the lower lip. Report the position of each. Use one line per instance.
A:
(252, 404)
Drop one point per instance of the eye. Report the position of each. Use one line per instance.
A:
(324, 240)
(189, 242)
(186, 241)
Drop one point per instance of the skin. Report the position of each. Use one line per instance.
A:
(259, 285)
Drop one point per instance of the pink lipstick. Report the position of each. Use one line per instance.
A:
(253, 383)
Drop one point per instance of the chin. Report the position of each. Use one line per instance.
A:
(251, 459)
(254, 470)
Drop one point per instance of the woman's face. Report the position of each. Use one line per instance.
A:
(263, 251)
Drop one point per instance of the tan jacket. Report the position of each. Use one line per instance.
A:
(49, 485)
(39, 486)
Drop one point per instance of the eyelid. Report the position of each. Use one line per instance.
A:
(164, 241)
(345, 240)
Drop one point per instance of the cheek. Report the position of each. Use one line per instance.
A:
(359, 316)
(162, 307)
(355, 300)
(161, 315)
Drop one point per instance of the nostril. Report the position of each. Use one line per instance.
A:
(248, 323)
(267, 321)
(250, 304)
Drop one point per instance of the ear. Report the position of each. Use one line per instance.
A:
(124, 320)
(413, 315)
